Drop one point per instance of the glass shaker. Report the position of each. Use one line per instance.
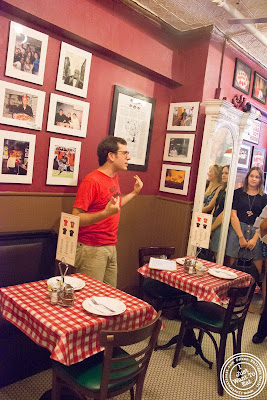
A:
(67, 296)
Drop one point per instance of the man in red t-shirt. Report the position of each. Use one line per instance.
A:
(98, 203)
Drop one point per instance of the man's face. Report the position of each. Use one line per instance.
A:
(60, 112)
(121, 158)
(76, 74)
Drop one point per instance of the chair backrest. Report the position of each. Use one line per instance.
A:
(133, 366)
(146, 252)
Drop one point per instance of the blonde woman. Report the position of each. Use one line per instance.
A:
(213, 189)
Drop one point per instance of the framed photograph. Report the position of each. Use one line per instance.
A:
(265, 184)
(244, 157)
(258, 158)
(174, 179)
(252, 131)
(240, 178)
(73, 70)
(63, 162)
(183, 116)
(26, 54)
(67, 115)
(242, 76)
(21, 106)
(132, 118)
(17, 155)
(259, 90)
(178, 147)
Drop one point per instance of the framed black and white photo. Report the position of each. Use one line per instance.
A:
(16, 157)
(73, 70)
(183, 116)
(26, 54)
(63, 162)
(67, 115)
(242, 76)
(178, 147)
(132, 118)
(244, 156)
(21, 106)
(174, 179)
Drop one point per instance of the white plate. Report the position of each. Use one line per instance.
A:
(76, 283)
(222, 273)
(180, 260)
(114, 304)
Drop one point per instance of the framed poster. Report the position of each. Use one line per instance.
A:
(178, 147)
(63, 162)
(242, 76)
(240, 177)
(132, 118)
(244, 157)
(26, 54)
(67, 115)
(21, 106)
(16, 157)
(258, 158)
(174, 179)
(259, 90)
(252, 131)
(183, 116)
(73, 70)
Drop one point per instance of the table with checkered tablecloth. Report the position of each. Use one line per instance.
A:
(70, 334)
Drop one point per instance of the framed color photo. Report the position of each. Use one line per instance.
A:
(258, 158)
(178, 147)
(63, 162)
(240, 177)
(73, 70)
(183, 116)
(21, 106)
(242, 76)
(174, 179)
(132, 118)
(16, 157)
(259, 90)
(244, 157)
(26, 54)
(67, 115)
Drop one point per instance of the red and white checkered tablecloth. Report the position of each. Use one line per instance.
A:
(70, 334)
(205, 288)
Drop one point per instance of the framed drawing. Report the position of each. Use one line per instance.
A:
(244, 157)
(178, 147)
(259, 90)
(26, 54)
(63, 162)
(67, 115)
(16, 157)
(73, 70)
(132, 118)
(174, 179)
(21, 106)
(258, 158)
(242, 76)
(183, 116)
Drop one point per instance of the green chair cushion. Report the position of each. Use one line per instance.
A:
(157, 289)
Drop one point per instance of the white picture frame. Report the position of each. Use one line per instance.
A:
(179, 179)
(73, 63)
(21, 106)
(63, 121)
(22, 38)
(179, 147)
(244, 156)
(183, 116)
(63, 162)
(16, 157)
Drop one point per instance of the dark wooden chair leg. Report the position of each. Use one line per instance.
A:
(220, 361)
(179, 344)
(132, 393)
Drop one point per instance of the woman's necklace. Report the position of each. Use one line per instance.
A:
(250, 212)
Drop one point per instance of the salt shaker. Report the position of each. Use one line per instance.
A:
(54, 296)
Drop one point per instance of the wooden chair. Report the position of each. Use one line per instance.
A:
(210, 317)
(112, 372)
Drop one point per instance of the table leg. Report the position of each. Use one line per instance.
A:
(66, 394)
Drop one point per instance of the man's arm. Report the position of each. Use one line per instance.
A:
(137, 187)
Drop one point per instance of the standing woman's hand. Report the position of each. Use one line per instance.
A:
(242, 242)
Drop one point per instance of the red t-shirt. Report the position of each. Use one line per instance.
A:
(94, 192)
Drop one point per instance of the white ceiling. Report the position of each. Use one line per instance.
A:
(186, 15)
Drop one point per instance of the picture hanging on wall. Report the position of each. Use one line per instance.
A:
(174, 179)
(244, 157)
(21, 106)
(242, 76)
(73, 70)
(67, 115)
(26, 54)
(63, 162)
(258, 158)
(178, 147)
(16, 157)
(259, 90)
(240, 178)
(183, 116)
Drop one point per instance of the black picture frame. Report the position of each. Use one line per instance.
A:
(127, 98)
(242, 76)
(259, 89)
